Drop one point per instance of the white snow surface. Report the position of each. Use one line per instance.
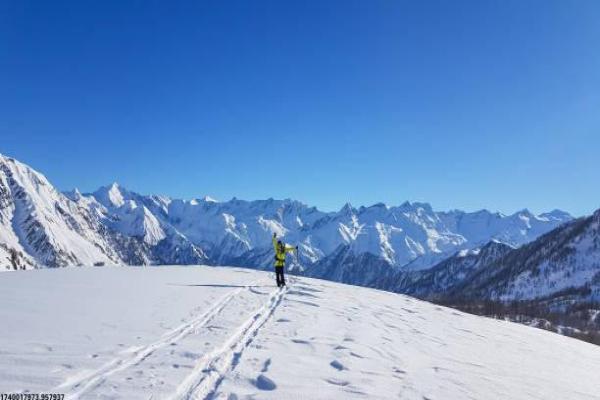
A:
(229, 333)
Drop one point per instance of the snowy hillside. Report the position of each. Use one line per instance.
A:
(552, 282)
(116, 226)
(563, 262)
(227, 333)
(447, 275)
(43, 225)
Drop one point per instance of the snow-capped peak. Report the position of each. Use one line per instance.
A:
(208, 199)
(74, 194)
(110, 196)
(557, 215)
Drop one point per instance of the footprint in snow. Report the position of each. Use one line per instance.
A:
(308, 303)
(301, 341)
(304, 294)
(266, 365)
(190, 355)
(262, 382)
(337, 365)
(337, 382)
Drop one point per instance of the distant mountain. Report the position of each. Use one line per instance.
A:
(552, 283)
(43, 227)
(561, 265)
(347, 266)
(443, 278)
(564, 263)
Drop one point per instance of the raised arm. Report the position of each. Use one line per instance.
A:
(275, 242)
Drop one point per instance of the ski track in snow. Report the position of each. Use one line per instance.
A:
(231, 339)
(203, 382)
(79, 385)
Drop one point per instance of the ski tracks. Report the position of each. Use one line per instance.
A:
(208, 373)
(78, 385)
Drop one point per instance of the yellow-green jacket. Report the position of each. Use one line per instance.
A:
(280, 253)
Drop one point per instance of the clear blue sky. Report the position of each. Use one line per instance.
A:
(463, 104)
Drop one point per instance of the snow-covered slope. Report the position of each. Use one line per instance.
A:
(565, 259)
(226, 333)
(143, 218)
(43, 225)
(115, 225)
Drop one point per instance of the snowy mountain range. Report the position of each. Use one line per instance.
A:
(561, 265)
(444, 277)
(44, 227)
(552, 282)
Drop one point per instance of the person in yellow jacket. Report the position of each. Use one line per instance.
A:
(281, 249)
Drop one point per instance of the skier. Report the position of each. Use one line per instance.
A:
(281, 249)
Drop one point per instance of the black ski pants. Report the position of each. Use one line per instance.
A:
(279, 276)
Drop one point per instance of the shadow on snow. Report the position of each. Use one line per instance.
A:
(217, 285)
